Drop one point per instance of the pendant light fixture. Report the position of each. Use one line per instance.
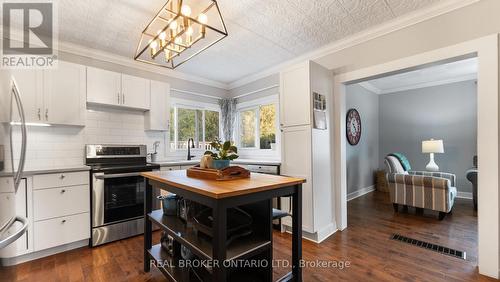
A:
(180, 30)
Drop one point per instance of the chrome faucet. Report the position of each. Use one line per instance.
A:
(189, 148)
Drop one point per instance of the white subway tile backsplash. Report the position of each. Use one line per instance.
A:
(110, 124)
(51, 147)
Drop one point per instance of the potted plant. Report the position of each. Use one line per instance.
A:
(225, 152)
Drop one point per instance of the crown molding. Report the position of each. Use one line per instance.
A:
(129, 62)
(370, 87)
(363, 36)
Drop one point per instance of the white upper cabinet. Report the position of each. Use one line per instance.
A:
(64, 94)
(103, 87)
(55, 96)
(116, 89)
(158, 117)
(135, 92)
(295, 96)
(30, 86)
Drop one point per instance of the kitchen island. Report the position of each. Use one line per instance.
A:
(226, 258)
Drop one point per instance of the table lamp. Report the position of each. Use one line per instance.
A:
(432, 147)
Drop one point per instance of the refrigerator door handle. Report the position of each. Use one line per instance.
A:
(22, 158)
(11, 238)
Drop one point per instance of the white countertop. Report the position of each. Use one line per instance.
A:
(237, 161)
(31, 172)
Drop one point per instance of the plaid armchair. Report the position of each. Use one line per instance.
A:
(421, 189)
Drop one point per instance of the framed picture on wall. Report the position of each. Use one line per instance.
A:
(319, 111)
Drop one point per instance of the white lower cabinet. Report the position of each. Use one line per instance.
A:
(61, 201)
(57, 207)
(62, 179)
(62, 230)
(61, 209)
(296, 161)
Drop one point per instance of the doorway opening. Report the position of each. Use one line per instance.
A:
(403, 120)
(486, 51)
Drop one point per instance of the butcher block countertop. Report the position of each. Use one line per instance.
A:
(223, 189)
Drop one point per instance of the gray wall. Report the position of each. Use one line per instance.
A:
(363, 159)
(447, 112)
(256, 88)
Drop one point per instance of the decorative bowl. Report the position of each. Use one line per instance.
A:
(220, 164)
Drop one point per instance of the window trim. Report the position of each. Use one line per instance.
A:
(187, 104)
(255, 104)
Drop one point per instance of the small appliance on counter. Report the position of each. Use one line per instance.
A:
(154, 156)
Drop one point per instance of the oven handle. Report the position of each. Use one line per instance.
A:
(117, 175)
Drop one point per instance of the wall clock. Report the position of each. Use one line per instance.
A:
(353, 127)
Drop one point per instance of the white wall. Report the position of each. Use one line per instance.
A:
(56, 147)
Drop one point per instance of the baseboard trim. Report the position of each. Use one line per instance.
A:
(318, 236)
(43, 253)
(360, 192)
(464, 195)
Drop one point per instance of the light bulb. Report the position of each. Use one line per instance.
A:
(162, 36)
(178, 40)
(153, 44)
(202, 18)
(173, 25)
(186, 10)
(189, 31)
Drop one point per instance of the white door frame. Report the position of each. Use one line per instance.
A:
(486, 49)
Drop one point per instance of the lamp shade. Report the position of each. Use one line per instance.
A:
(432, 146)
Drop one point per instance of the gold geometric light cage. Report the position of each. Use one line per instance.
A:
(180, 30)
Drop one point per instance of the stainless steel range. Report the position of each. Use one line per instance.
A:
(117, 191)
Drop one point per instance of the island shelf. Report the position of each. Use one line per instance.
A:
(254, 195)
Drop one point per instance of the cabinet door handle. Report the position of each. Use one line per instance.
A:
(118, 95)
(123, 98)
(39, 114)
(63, 191)
(63, 176)
(47, 114)
(63, 221)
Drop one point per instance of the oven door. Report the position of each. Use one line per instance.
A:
(117, 197)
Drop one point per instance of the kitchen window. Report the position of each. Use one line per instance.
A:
(257, 126)
(201, 124)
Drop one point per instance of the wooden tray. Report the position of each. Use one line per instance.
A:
(228, 173)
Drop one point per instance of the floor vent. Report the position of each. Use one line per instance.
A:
(430, 246)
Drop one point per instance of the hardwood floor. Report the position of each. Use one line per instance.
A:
(365, 244)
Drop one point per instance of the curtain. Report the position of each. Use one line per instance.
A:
(228, 112)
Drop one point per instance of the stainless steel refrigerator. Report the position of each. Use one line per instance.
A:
(12, 224)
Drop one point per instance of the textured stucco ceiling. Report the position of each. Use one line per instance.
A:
(262, 33)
